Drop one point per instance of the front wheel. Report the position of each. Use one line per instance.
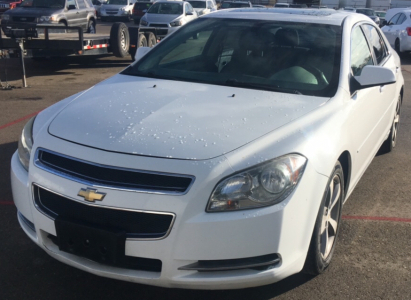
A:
(327, 224)
(391, 141)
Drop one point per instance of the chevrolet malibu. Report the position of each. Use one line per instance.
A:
(221, 158)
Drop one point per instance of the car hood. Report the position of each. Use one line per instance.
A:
(159, 18)
(164, 118)
(34, 12)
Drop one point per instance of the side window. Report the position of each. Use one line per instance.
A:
(360, 52)
(71, 2)
(394, 19)
(81, 4)
(377, 43)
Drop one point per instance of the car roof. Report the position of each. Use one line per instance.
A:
(323, 16)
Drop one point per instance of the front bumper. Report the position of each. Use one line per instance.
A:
(161, 32)
(284, 229)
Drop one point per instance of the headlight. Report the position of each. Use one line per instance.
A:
(26, 144)
(263, 185)
(47, 18)
(143, 22)
(5, 17)
(176, 23)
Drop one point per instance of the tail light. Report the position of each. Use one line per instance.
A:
(408, 31)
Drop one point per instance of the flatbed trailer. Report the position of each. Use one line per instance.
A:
(39, 41)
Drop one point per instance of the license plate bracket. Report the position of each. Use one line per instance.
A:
(100, 245)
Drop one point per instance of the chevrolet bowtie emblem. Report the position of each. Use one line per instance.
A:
(91, 195)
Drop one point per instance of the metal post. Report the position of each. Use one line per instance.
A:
(21, 46)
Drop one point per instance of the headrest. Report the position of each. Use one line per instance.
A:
(287, 37)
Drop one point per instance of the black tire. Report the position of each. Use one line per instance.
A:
(63, 23)
(151, 40)
(324, 236)
(391, 141)
(119, 39)
(142, 41)
(91, 26)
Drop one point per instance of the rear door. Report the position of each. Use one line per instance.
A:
(82, 14)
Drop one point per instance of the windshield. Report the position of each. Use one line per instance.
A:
(381, 14)
(198, 4)
(265, 55)
(367, 12)
(234, 5)
(166, 8)
(117, 2)
(44, 3)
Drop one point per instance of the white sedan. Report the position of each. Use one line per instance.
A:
(220, 159)
(398, 31)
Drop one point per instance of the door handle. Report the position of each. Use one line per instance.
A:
(382, 87)
(77, 13)
(396, 69)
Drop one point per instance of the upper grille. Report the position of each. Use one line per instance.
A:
(158, 25)
(140, 225)
(107, 176)
(24, 19)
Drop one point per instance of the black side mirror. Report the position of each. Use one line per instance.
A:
(71, 6)
(189, 13)
(384, 23)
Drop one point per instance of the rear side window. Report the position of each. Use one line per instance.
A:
(377, 43)
(401, 19)
(81, 4)
(142, 6)
(394, 19)
(360, 52)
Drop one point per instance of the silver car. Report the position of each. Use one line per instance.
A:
(168, 16)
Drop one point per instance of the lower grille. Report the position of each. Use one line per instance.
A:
(138, 225)
(158, 25)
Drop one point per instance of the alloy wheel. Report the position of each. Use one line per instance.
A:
(330, 218)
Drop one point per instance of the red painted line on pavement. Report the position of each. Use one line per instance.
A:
(19, 120)
(370, 218)
(6, 203)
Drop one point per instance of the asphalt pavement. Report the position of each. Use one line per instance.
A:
(372, 258)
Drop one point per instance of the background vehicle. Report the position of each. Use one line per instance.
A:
(167, 16)
(203, 7)
(381, 15)
(298, 5)
(369, 13)
(53, 13)
(8, 4)
(139, 9)
(398, 31)
(117, 10)
(259, 6)
(97, 6)
(235, 4)
(281, 5)
(352, 9)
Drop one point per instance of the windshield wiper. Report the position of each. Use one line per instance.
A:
(236, 83)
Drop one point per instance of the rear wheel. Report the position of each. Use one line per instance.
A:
(327, 224)
(397, 46)
(391, 141)
(119, 39)
(91, 27)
